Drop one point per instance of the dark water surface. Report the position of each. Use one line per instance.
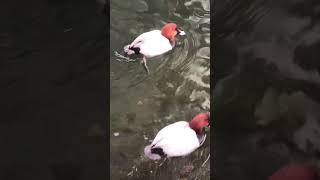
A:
(52, 60)
(266, 86)
(177, 88)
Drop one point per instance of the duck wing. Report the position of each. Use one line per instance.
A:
(134, 47)
(139, 40)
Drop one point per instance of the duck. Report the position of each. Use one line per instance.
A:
(178, 139)
(154, 43)
(296, 171)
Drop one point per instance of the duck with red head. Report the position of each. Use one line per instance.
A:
(154, 43)
(179, 139)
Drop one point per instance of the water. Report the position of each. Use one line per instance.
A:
(176, 89)
(52, 90)
(266, 86)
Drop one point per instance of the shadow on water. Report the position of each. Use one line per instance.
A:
(266, 84)
(52, 68)
(176, 89)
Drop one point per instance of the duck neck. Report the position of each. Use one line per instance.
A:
(195, 126)
(171, 39)
(173, 43)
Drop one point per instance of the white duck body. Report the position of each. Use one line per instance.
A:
(151, 44)
(176, 139)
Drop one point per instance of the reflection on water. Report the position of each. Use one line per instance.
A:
(176, 89)
(52, 66)
(266, 93)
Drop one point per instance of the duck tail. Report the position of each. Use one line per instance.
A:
(149, 154)
(127, 50)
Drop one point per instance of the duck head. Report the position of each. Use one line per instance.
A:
(199, 122)
(171, 30)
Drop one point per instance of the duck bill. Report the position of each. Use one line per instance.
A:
(182, 33)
